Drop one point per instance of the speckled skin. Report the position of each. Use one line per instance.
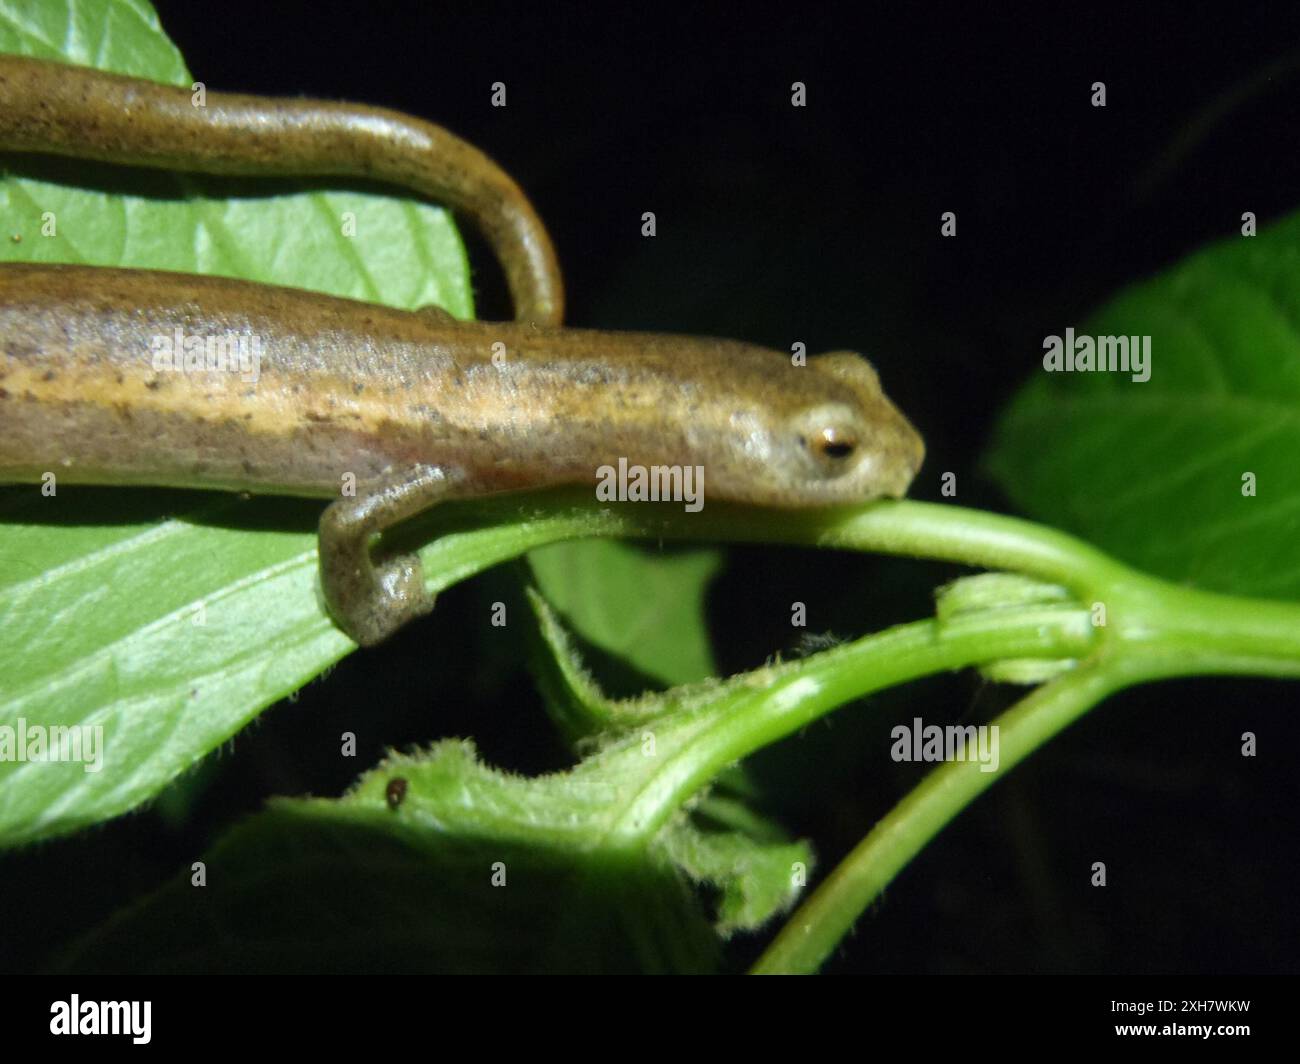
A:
(407, 407)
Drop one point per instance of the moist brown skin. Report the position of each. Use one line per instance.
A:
(405, 407)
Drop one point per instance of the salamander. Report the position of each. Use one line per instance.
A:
(140, 377)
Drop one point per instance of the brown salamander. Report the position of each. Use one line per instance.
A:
(137, 377)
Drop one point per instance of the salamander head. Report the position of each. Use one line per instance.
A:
(830, 436)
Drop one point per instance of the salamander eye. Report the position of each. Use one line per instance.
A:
(831, 447)
(830, 438)
(835, 443)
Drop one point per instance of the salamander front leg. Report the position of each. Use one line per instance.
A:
(371, 601)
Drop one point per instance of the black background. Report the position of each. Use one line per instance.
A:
(822, 224)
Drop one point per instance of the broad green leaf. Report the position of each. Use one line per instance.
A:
(166, 619)
(1194, 474)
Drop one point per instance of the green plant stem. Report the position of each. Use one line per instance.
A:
(752, 715)
(929, 530)
(1167, 631)
(1213, 633)
(814, 931)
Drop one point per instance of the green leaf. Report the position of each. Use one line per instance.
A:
(574, 698)
(474, 871)
(118, 35)
(645, 609)
(758, 876)
(405, 252)
(722, 842)
(1154, 472)
(170, 620)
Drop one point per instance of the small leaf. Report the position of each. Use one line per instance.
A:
(722, 842)
(574, 699)
(758, 877)
(643, 608)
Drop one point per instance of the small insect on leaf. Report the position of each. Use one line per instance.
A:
(395, 791)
